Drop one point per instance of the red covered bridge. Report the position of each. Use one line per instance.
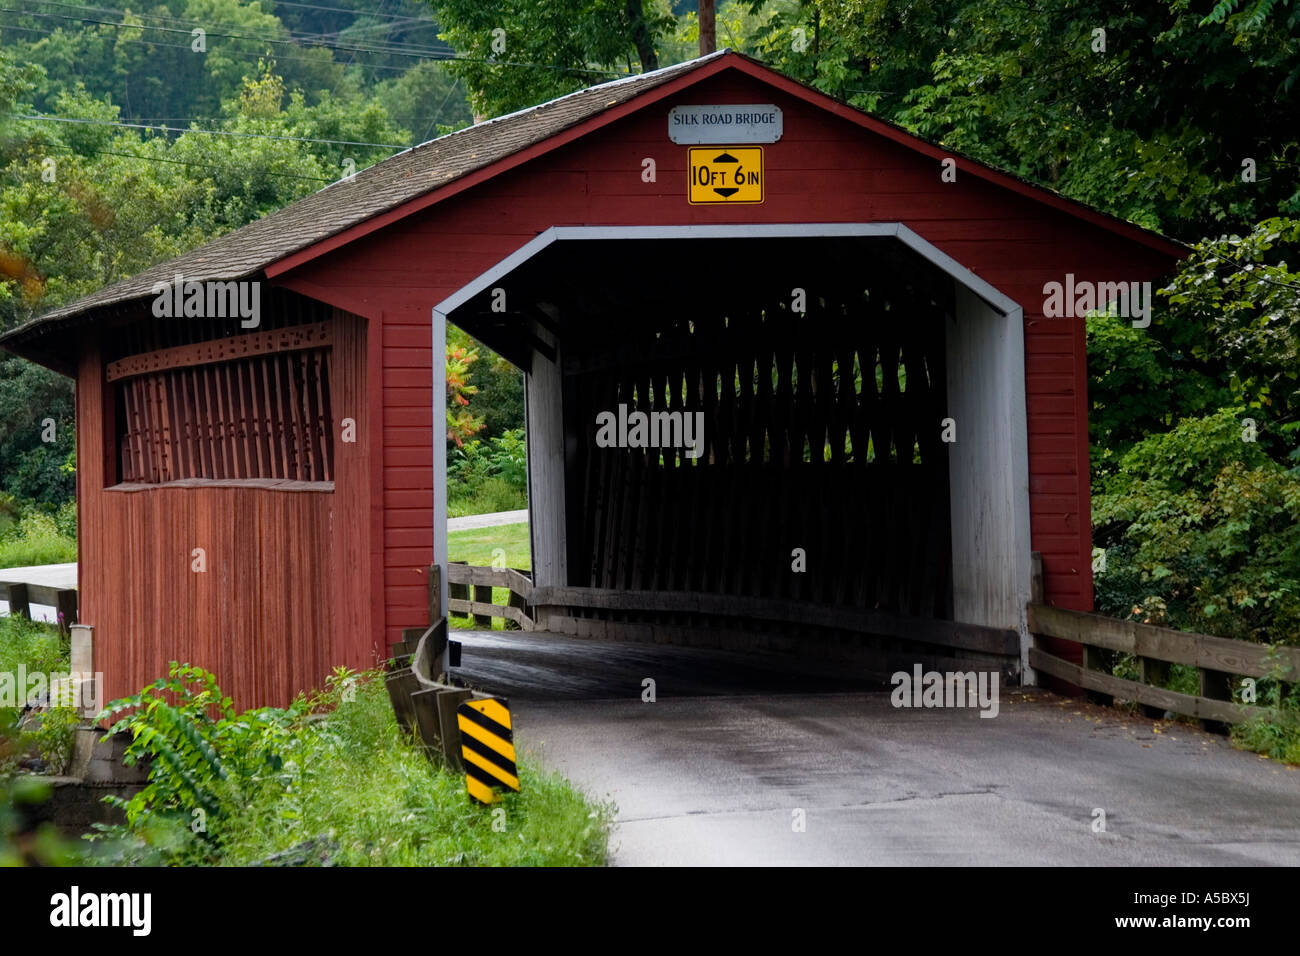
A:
(854, 316)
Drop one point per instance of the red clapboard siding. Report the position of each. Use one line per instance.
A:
(823, 169)
(280, 603)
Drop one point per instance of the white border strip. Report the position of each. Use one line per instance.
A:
(897, 230)
(998, 301)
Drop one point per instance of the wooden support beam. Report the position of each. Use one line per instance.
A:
(457, 590)
(19, 603)
(1155, 673)
(65, 605)
(435, 594)
(1037, 593)
(483, 595)
(292, 338)
(1215, 685)
(1092, 661)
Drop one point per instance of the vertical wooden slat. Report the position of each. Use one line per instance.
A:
(294, 426)
(252, 417)
(177, 423)
(243, 424)
(287, 461)
(150, 429)
(302, 361)
(324, 420)
(194, 409)
(130, 463)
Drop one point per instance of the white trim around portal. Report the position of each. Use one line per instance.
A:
(809, 230)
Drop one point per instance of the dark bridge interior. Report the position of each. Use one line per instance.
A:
(822, 430)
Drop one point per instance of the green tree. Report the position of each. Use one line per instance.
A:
(544, 50)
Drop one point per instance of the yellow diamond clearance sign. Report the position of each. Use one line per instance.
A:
(725, 174)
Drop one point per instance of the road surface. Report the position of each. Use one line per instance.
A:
(732, 755)
(469, 522)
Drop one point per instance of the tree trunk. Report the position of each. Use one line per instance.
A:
(708, 28)
(645, 47)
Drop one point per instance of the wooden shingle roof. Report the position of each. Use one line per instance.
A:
(396, 186)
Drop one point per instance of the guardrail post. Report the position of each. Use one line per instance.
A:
(1215, 685)
(1092, 662)
(435, 594)
(1156, 674)
(516, 601)
(483, 595)
(66, 607)
(18, 603)
(456, 592)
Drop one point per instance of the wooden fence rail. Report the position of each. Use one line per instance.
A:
(21, 595)
(1219, 660)
(461, 577)
(633, 612)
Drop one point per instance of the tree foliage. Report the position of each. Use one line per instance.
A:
(517, 53)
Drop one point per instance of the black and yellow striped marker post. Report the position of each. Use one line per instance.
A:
(487, 747)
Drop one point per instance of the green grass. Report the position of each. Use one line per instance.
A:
(36, 540)
(1275, 735)
(485, 497)
(35, 645)
(476, 546)
(367, 793)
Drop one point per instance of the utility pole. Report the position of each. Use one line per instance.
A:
(708, 28)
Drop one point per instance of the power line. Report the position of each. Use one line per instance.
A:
(279, 57)
(210, 132)
(358, 13)
(210, 25)
(118, 25)
(178, 162)
(430, 55)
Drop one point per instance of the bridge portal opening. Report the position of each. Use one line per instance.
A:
(767, 441)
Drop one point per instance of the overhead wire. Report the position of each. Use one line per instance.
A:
(210, 132)
(422, 55)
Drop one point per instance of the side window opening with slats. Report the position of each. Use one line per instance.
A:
(261, 416)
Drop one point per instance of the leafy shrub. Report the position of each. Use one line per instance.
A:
(489, 476)
(53, 737)
(21, 844)
(510, 457)
(1202, 532)
(329, 780)
(35, 645)
(201, 768)
(1275, 730)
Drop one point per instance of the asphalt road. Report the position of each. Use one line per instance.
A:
(717, 769)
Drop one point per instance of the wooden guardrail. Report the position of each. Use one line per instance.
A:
(22, 595)
(461, 577)
(527, 599)
(1219, 660)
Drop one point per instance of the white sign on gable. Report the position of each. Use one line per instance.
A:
(706, 125)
